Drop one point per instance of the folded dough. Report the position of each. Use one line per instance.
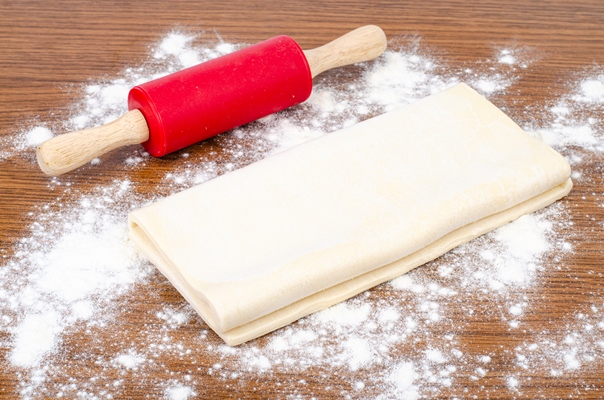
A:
(263, 246)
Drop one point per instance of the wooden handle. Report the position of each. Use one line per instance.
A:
(362, 44)
(69, 151)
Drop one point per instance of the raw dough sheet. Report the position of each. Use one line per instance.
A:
(263, 246)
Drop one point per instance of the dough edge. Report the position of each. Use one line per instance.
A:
(347, 289)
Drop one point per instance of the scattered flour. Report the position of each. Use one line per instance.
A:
(512, 383)
(507, 59)
(577, 120)
(179, 392)
(130, 360)
(74, 263)
(402, 378)
(38, 135)
(72, 274)
(35, 337)
(592, 90)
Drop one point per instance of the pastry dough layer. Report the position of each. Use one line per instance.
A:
(260, 247)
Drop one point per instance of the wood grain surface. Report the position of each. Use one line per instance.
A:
(48, 49)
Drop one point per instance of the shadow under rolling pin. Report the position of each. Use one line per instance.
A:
(196, 103)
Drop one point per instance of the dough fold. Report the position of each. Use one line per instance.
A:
(263, 246)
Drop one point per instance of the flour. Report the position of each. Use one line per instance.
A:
(179, 392)
(512, 383)
(130, 360)
(38, 135)
(402, 379)
(72, 272)
(592, 90)
(507, 59)
(35, 337)
(73, 264)
(577, 121)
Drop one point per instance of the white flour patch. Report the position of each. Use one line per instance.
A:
(71, 275)
(35, 336)
(38, 135)
(75, 261)
(507, 58)
(179, 392)
(577, 119)
(495, 75)
(402, 381)
(592, 90)
(129, 360)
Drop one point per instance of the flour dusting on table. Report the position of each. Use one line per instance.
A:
(74, 271)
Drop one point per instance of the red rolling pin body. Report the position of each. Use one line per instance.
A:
(218, 95)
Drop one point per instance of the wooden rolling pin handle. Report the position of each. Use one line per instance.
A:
(66, 152)
(362, 44)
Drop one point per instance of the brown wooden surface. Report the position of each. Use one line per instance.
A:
(47, 46)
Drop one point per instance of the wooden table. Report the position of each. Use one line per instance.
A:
(49, 48)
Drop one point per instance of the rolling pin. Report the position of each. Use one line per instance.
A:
(196, 103)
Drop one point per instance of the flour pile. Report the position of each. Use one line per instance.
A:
(74, 272)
